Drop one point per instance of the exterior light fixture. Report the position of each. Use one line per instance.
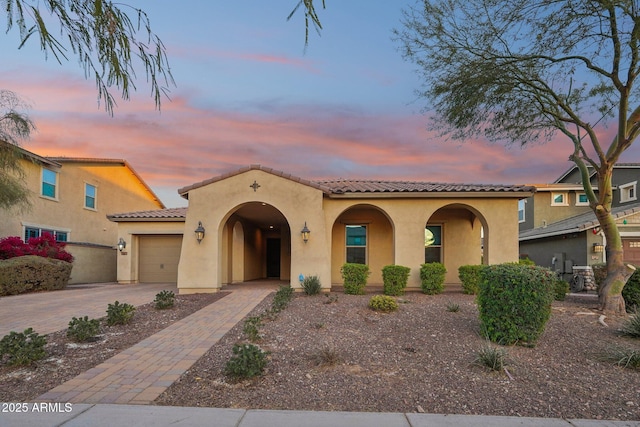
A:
(121, 244)
(305, 233)
(199, 232)
(598, 248)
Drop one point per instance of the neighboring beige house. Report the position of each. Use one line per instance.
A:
(71, 198)
(254, 222)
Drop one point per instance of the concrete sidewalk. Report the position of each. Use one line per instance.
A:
(82, 415)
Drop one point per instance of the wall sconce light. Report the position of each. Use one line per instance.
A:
(121, 244)
(305, 233)
(199, 232)
(598, 248)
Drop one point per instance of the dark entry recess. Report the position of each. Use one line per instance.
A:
(273, 258)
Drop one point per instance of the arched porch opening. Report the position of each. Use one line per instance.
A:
(456, 235)
(362, 234)
(255, 244)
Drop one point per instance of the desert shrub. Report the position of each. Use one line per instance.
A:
(625, 357)
(394, 279)
(119, 314)
(453, 307)
(326, 356)
(164, 299)
(514, 302)
(432, 277)
(31, 273)
(631, 326)
(631, 292)
(248, 361)
(470, 277)
(383, 303)
(561, 289)
(251, 328)
(491, 357)
(83, 329)
(44, 246)
(311, 285)
(354, 278)
(22, 348)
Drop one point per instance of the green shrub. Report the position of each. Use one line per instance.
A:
(526, 261)
(251, 328)
(631, 326)
(83, 329)
(383, 303)
(432, 277)
(354, 278)
(32, 273)
(631, 292)
(281, 300)
(22, 348)
(394, 279)
(514, 302)
(164, 299)
(599, 273)
(311, 285)
(561, 289)
(470, 277)
(248, 361)
(119, 314)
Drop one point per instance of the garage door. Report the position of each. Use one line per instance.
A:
(159, 256)
(631, 248)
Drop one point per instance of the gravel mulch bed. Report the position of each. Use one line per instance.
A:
(66, 359)
(419, 359)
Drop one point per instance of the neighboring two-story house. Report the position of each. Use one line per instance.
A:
(558, 229)
(70, 200)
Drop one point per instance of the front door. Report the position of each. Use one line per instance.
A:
(273, 258)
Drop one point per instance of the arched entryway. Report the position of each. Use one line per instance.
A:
(362, 234)
(255, 244)
(455, 235)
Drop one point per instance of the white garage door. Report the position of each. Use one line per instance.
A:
(159, 256)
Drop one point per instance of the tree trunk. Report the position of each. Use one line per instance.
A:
(610, 292)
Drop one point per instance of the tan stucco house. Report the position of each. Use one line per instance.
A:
(70, 199)
(253, 221)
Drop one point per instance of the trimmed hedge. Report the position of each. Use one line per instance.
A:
(33, 273)
(395, 278)
(432, 277)
(514, 302)
(470, 277)
(354, 278)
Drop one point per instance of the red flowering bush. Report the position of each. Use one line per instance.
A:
(44, 246)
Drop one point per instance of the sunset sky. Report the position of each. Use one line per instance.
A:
(248, 93)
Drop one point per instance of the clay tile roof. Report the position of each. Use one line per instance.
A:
(373, 186)
(172, 214)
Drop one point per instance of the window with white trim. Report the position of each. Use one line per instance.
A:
(559, 199)
(90, 194)
(582, 199)
(521, 204)
(433, 243)
(356, 243)
(49, 183)
(628, 192)
(60, 236)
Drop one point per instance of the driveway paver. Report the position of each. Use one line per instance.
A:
(48, 312)
(139, 374)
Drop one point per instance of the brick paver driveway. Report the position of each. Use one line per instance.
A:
(48, 312)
